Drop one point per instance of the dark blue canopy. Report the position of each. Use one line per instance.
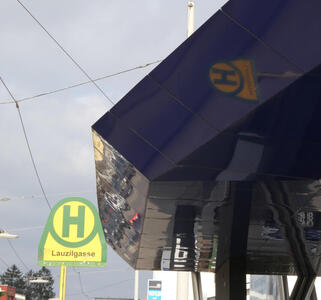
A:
(237, 101)
(176, 122)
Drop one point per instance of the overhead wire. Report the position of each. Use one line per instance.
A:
(85, 293)
(33, 163)
(81, 286)
(17, 255)
(81, 84)
(267, 45)
(66, 53)
(4, 262)
(86, 75)
(7, 198)
(95, 84)
(29, 98)
(27, 142)
(24, 129)
(102, 287)
(25, 228)
(106, 271)
(80, 283)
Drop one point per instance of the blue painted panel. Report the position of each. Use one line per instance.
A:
(292, 27)
(178, 108)
(161, 119)
(281, 138)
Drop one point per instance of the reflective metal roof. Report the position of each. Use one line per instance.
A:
(239, 101)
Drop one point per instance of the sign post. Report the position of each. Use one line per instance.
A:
(62, 288)
(73, 236)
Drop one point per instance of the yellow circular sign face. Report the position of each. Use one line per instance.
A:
(73, 222)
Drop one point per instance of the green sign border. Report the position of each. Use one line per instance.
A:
(49, 228)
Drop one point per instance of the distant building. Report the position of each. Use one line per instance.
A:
(266, 287)
(10, 292)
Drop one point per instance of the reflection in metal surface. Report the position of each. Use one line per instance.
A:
(119, 207)
(266, 287)
(175, 225)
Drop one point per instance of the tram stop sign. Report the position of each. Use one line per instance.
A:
(73, 236)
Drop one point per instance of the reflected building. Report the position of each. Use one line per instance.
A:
(264, 287)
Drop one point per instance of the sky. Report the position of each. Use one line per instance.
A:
(104, 38)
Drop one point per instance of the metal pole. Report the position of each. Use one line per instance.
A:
(285, 287)
(62, 288)
(61, 282)
(181, 278)
(197, 286)
(136, 284)
(314, 295)
(190, 18)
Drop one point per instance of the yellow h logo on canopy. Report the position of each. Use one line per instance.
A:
(235, 78)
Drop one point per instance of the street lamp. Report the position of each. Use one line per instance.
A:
(6, 235)
(4, 199)
(3, 233)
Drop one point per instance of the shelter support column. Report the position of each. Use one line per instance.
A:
(232, 247)
(314, 294)
(197, 285)
(304, 288)
(285, 285)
